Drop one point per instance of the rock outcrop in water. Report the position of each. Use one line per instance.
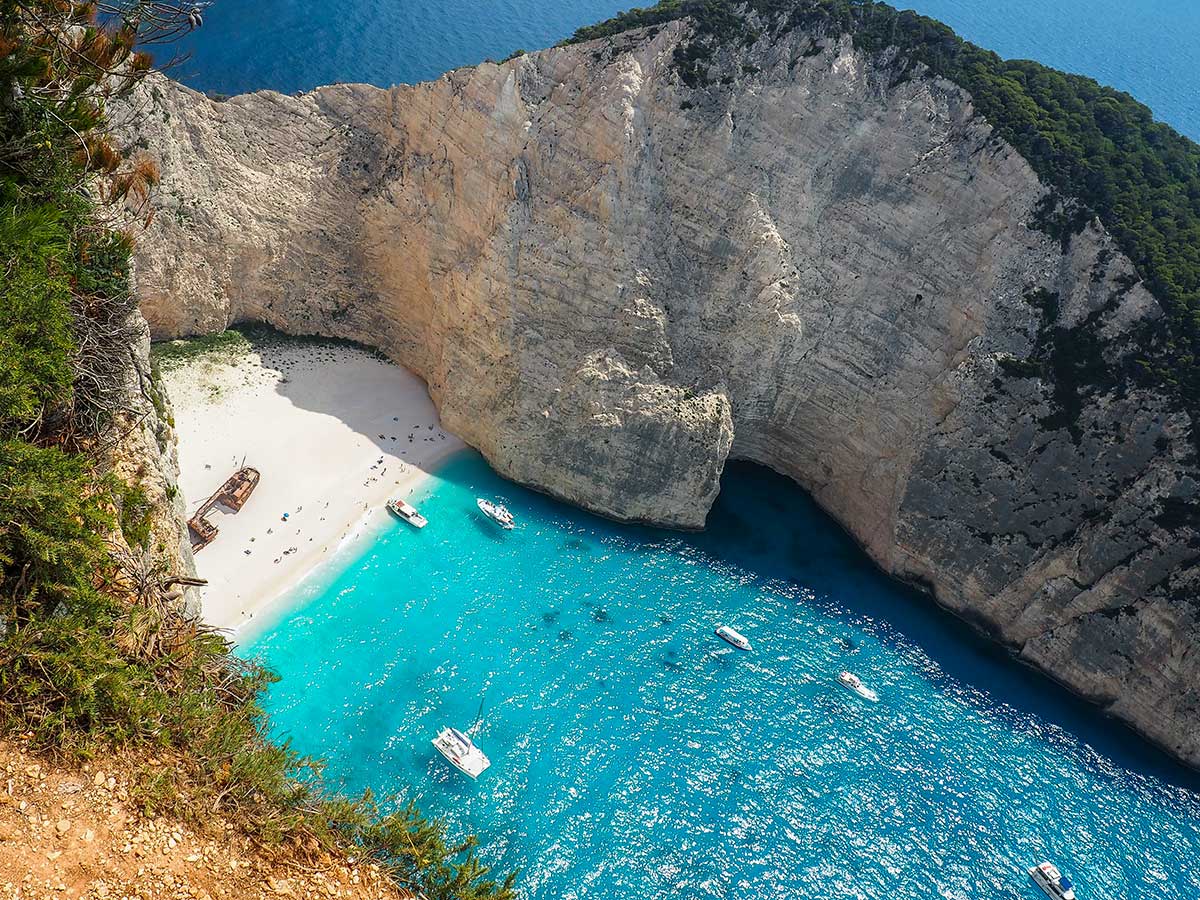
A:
(613, 282)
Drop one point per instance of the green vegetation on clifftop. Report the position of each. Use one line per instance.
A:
(95, 652)
(1098, 148)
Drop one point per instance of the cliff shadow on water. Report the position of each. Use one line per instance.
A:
(802, 544)
(767, 527)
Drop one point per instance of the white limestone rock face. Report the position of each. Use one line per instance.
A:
(142, 452)
(613, 282)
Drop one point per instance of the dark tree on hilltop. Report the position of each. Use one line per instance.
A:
(1099, 149)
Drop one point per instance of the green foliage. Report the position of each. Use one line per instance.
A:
(134, 518)
(50, 522)
(61, 675)
(1098, 148)
(168, 354)
(64, 329)
(1179, 513)
(1046, 301)
(1075, 365)
(241, 339)
(102, 266)
(91, 654)
(59, 60)
(35, 325)
(666, 11)
(63, 680)
(276, 795)
(83, 667)
(417, 851)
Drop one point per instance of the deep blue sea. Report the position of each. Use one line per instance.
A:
(635, 755)
(1150, 48)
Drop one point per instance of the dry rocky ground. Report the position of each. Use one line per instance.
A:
(73, 832)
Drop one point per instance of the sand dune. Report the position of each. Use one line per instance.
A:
(334, 431)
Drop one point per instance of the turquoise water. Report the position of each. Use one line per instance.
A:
(1150, 48)
(635, 755)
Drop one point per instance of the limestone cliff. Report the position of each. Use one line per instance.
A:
(143, 454)
(612, 282)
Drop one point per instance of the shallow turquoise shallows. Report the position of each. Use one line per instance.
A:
(635, 755)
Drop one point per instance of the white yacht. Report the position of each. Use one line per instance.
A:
(407, 512)
(725, 633)
(497, 512)
(1052, 882)
(852, 682)
(461, 752)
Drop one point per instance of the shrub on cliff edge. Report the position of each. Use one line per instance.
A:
(92, 652)
(1098, 148)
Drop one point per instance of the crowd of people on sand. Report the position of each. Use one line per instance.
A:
(300, 517)
(379, 463)
(402, 468)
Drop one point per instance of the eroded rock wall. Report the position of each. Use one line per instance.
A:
(613, 282)
(143, 454)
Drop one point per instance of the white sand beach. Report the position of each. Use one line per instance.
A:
(334, 431)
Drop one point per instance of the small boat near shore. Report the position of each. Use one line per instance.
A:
(852, 682)
(1052, 882)
(725, 633)
(460, 751)
(407, 512)
(497, 512)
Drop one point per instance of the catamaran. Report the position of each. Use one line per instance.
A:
(407, 512)
(497, 512)
(852, 682)
(1052, 882)
(461, 752)
(728, 634)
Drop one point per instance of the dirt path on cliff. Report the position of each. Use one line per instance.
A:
(73, 832)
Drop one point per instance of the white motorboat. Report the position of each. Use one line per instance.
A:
(460, 751)
(852, 682)
(497, 512)
(725, 633)
(407, 512)
(1052, 882)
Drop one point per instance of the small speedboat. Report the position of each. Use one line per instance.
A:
(407, 512)
(1052, 882)
(461, 752)
(497, 512)
(725, 633)
(852, 682)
